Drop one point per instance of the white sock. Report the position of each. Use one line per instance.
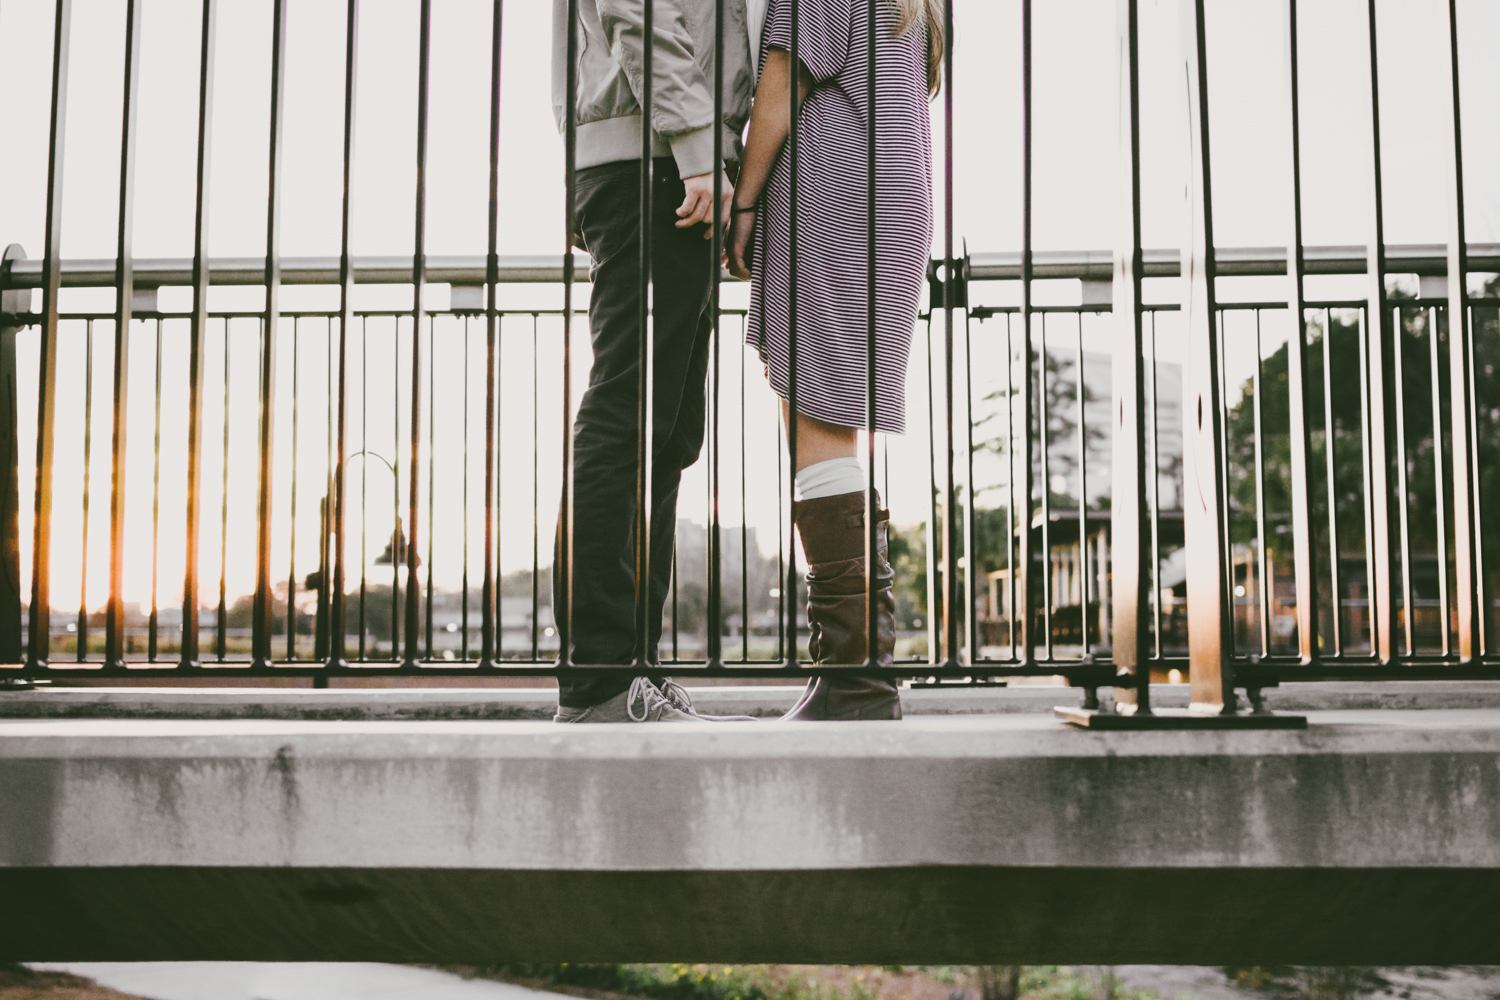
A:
(830, 479)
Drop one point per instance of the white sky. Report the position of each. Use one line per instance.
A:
(1076, 201)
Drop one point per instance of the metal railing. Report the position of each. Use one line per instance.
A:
(1244, 516)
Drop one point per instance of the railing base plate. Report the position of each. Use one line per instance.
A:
(1176, 718)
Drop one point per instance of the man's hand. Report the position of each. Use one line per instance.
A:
(698, 206)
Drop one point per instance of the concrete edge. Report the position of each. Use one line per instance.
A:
(520, 704)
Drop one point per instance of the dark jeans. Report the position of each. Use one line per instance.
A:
(605, 433)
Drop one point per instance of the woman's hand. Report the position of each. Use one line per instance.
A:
(737, 246)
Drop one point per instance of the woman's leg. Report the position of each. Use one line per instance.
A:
(818, 441)
(830, 519)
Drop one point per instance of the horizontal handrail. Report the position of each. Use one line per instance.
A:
(1087, 265)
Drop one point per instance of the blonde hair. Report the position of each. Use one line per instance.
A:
(908, 13)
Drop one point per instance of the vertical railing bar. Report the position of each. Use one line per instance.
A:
(1328, 451)
(1021, 578)
(192, 522)
(500, 444)
(1377, 320)
(1154, 485)
(220, 634)
(1473, 604)
(40, 620)
(781, 573)
(151, 625)
(403, 543)
(676, 656)
(261, 655)
(950, 521)
(645, 357)
(1081, 396)
(971, 562)
(1439, 498)
(1226, 548)
(81, 628)
(334, 501)
(12, 627)
(418, 278)
(1403, 503)
(463, 604)
(364, 481)
(934, 635)
(326, 505)
(291, 573)
(562, 581)
(1481, 588)
(714, 653)
(1044, 435)
(745, 518)
(114, 623)
(431, 465)
(1263, 562)
(1210, 629)
(1368, 478)
(491, 320)
(1304, 555)
(872, 528)
(793, 151)
(535, 517)
(1010, 488)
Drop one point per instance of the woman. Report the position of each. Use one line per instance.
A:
(832, 290)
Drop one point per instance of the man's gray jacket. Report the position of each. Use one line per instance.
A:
(610, 63)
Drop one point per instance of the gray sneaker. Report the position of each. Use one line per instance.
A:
(678, 696)
(644, 702)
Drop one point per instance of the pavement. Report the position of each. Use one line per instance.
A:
(288, 981)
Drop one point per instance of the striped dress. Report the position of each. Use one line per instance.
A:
(832, 286)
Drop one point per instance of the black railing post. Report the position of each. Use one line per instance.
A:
(192, 521)
(714, 637)
(491, 332)
(41, 553)
(1205, 535)
(645, 357)
(1467, 508)
(331, 600)
(951, 542)
(114, 624)
(1297, 382)
(1021, 630)
(1378, 433)
(418, 277)
(1130, 558)
(562, 568)
(12, 305)
(261, 655)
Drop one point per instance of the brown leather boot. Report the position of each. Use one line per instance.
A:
(833, 538)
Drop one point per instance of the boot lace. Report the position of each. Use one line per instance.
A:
(651, 699)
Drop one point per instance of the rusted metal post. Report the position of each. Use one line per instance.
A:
(1205, 534)
(1130, 555)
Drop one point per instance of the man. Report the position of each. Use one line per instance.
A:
(607, 110)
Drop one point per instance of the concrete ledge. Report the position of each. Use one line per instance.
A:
(1369, 837)
(517, 704)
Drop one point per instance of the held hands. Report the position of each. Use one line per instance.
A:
(698, 206)
(737, 245)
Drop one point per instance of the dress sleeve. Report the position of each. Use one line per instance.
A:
(824, 29)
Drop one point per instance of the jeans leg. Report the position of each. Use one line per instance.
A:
(605, 431)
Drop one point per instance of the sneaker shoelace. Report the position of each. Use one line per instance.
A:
(678, 696)
(651, 699)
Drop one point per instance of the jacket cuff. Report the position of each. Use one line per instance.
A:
(694, 152)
